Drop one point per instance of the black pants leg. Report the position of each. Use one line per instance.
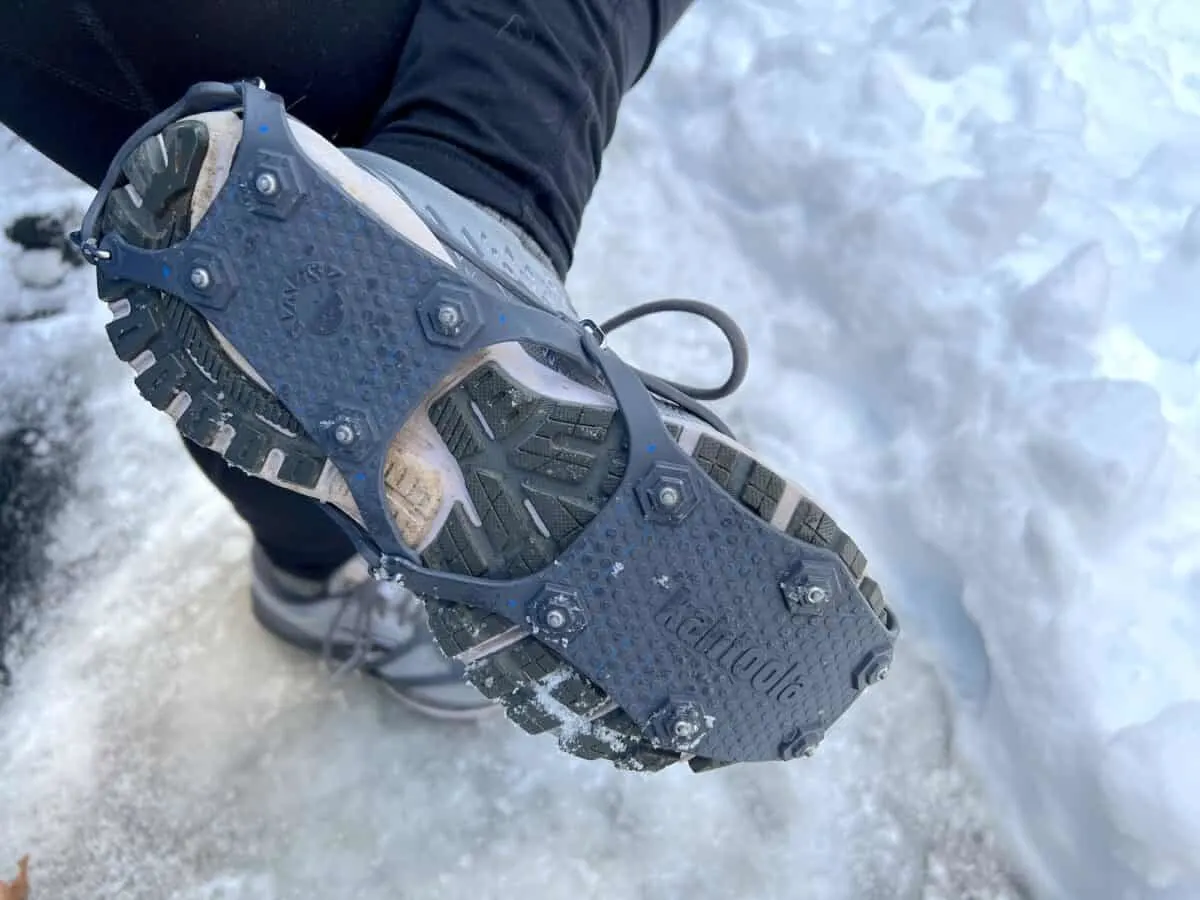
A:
(508, 102)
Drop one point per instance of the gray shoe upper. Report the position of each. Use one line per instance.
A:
(377, 627)
(488, 239)
(491, 239)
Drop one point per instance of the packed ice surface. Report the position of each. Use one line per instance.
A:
(961, 238)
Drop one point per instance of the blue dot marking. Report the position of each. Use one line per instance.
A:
(651, 448)
(263, 129)
(512, 603)
(360, 476)
(503, 318)
(166, 272)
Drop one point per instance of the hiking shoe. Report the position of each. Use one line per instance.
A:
(590, 541)
(377, 627)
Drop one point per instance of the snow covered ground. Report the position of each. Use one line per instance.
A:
(960, 237)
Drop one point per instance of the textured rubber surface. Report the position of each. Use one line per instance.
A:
(669, 617)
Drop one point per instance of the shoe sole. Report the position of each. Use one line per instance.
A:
(494, 476)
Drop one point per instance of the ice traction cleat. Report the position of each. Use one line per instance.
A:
(611, 564)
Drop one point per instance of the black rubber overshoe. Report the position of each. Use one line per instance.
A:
(614, 569)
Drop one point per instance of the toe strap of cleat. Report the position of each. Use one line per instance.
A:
(686, 609)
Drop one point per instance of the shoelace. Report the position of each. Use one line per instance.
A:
(366, 600)
(688, 397)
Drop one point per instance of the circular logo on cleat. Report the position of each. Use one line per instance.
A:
(312, 300)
